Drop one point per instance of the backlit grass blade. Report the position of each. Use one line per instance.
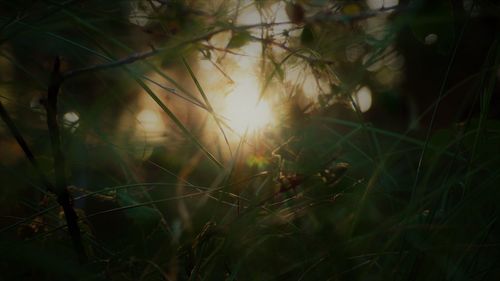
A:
(176, 121)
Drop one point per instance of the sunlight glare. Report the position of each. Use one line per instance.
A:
(149, 121)
(242, 109)
(313, 87)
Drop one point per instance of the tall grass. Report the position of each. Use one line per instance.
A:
(327, 193)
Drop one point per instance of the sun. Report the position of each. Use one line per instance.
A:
(243, 110)
(149, 122)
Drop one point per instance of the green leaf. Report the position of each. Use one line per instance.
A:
(239, 39)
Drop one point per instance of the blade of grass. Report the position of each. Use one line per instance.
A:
(207, 102)
(176, 120)
(24, 146)
(485, 99)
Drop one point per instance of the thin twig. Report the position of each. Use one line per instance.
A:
(128, 60)
(296, 53)
(336, 17)
(147, 54)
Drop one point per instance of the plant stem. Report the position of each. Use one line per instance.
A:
(24, 146)
(61, 190)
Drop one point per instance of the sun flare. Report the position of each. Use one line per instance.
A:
(149, 122)
(243, 110)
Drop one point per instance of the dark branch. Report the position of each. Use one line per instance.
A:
(61, 189)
